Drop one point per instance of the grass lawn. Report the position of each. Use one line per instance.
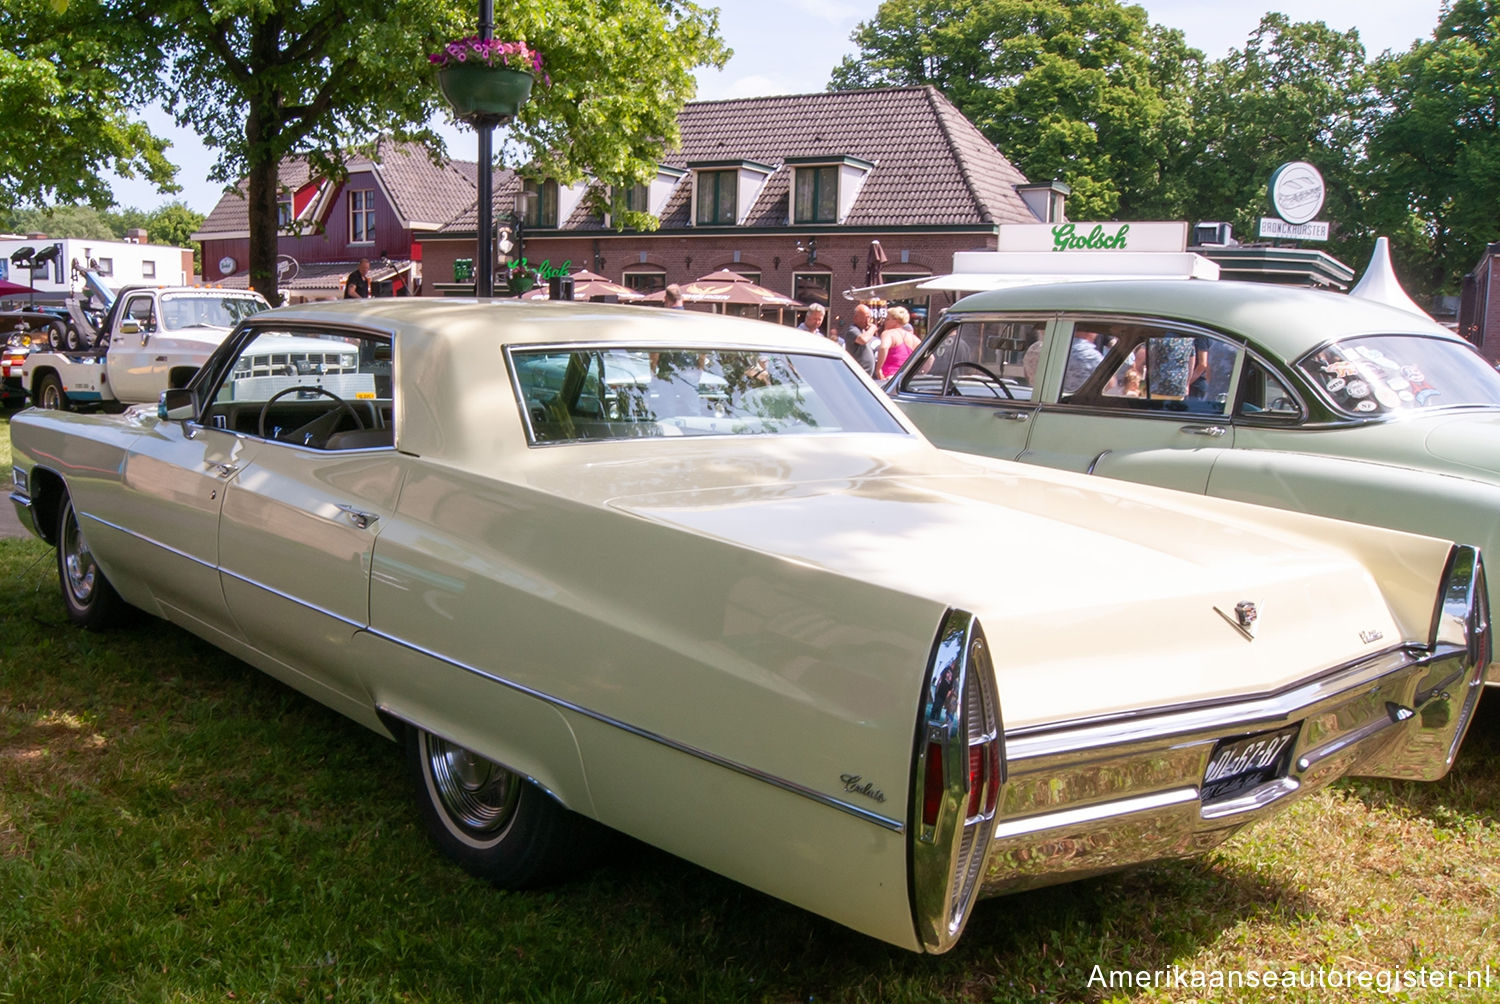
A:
(175, 826)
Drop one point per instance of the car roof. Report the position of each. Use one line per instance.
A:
(1288, 321)
(528, 322)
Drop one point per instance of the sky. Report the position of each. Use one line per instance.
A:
(792, 47)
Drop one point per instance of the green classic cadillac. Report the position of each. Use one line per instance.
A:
(697, 580)
(1304, 400)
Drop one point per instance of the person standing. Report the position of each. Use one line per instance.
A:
(671, 297)
(812, 321)
(357, 285)
(862, 338)
(897, 342)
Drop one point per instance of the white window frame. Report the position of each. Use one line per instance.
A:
(362, 216)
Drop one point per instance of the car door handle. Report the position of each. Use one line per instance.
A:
(358, 518)
(1012, 416)
(1204, 430)
(225, 471)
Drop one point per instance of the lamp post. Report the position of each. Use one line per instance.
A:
(484, 258)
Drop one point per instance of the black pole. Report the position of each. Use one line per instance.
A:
(484, 257)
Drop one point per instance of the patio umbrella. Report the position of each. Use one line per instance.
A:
(587, 284)
(8, 288)
(726, 287)
(874, 265)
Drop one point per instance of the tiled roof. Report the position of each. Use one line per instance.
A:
(504, 184)
(421, 192)
(932, 167)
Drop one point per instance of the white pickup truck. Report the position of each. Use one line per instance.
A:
(152, 338)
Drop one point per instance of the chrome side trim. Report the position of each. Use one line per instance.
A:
(149, 540)
(859, 812)
(357, 625)
(1094, 813)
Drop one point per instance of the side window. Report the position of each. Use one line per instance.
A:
(1266, 396)
(984, 360)
(310, 389)
(1143, 367)
(140, 310)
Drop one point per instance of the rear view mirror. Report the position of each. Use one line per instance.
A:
(175, 405)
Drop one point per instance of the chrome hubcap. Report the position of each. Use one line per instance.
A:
(50, 397)
(78, 561)
(476, 793)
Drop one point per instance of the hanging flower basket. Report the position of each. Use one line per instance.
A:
(480, 93)
(486, 81)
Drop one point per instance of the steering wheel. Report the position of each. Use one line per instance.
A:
(987, 372)
(319, 428)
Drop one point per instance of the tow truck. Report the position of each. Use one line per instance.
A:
(149, 339)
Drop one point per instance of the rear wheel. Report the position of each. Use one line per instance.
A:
(496, 824)
(50, 394)
(91, 601)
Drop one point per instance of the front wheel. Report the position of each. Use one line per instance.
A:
(50, 394)
(493, 822)
(90, 600)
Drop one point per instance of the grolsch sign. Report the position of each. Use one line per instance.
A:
(1104, 238)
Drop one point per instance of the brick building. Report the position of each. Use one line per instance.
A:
(788, 190)
(376, 213)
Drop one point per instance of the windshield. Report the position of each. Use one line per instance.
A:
(1382, 374)
(200, 310)
(583, 394)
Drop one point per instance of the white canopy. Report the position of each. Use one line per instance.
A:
(975, 271)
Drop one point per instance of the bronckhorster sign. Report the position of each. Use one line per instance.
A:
(1297, 192)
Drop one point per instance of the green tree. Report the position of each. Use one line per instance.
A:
(1434, 152)
(1087, 91)
(1297, 91)
(262, 81)
(64, 114)
(65, 221)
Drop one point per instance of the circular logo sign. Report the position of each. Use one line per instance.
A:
(286, 268)
(1297, 192)
(227, 265)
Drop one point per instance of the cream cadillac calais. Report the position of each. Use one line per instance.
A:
(695, 579)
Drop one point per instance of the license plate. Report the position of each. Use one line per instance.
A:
(1239, 764)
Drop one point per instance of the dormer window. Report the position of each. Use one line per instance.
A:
(636, 199)
(283, 210)
(541, 203)
(817, 196)
(725, 191)
(824, 188)
(717, 198)
(649, 198)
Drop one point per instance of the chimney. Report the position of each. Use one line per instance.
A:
(137, 235)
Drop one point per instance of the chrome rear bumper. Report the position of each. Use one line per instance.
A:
(1087, 800)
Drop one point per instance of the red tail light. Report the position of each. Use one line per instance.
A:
(932, 789)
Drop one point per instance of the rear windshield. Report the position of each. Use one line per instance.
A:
(588, 394)
(1379, 374)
